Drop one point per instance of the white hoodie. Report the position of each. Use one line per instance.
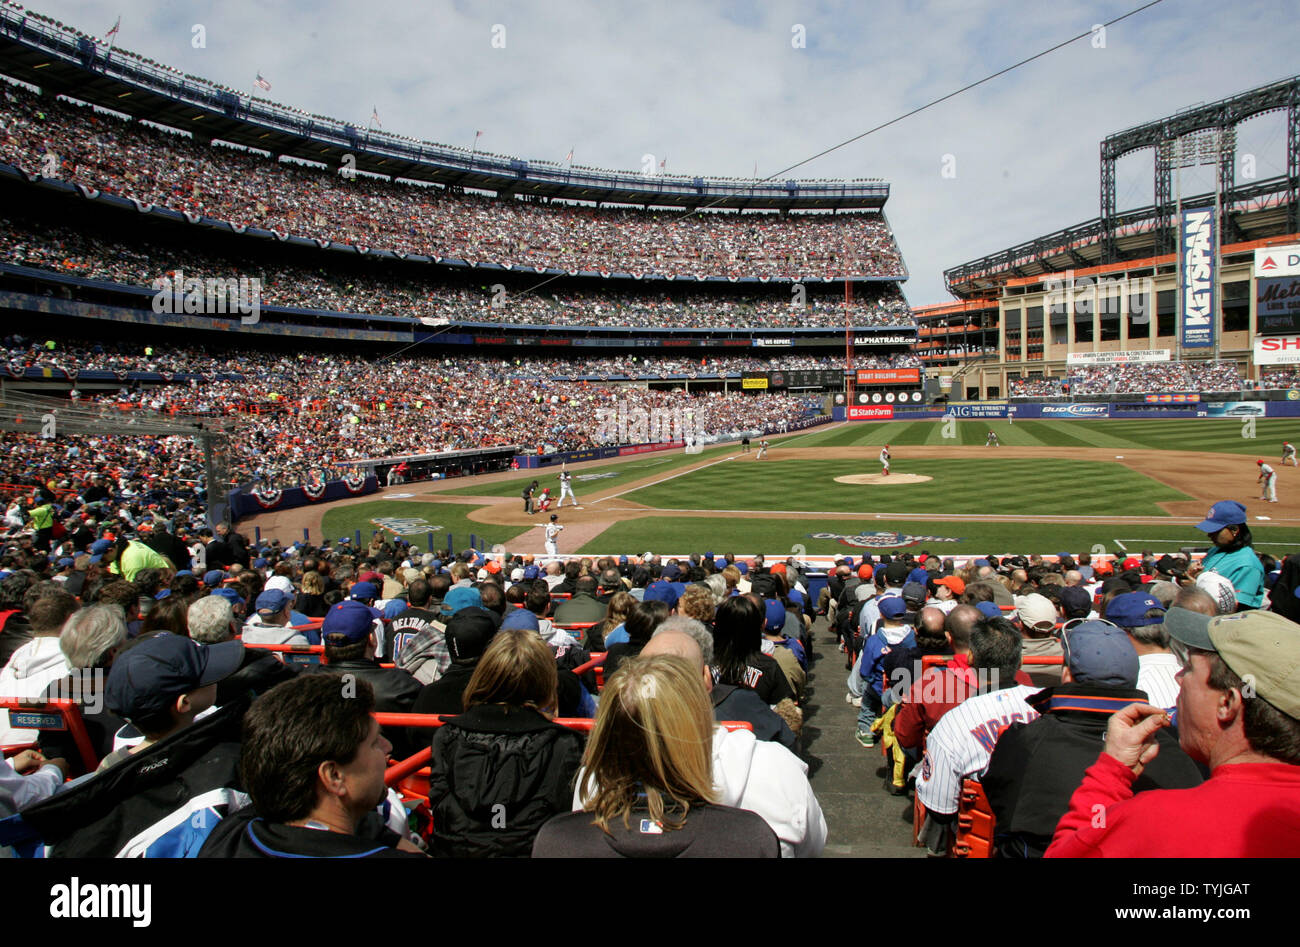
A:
(31, 669)
(766, 779)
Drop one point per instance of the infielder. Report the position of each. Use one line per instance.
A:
(884, 459)
(991, 440)
(1288, 454)
(762, 449)
(1268, 477)
(552, 535)
(566, 487)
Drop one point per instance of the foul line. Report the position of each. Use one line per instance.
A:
(656, 483)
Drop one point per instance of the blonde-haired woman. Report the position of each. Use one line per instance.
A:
(502, 768)
(647, 783)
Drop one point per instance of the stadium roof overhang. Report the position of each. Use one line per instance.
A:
(49, 60)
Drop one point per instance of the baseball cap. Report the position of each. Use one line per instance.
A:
(365, 591)
(351, 619)
(775, 616)
(896, 572)
(954, 584)
(1132, 562)
(229, 594)
(1129, 610)
(531, 572)
(893, 607)
(1170, 566)
(148, 677)
(865, 571)
(100, 546)
(1035, 611)
(374, 578)
(669, 572)
(660, 592)
(1097, 652)
(1075, 600)
(1259, 462)
(517, 574)
(1220, 589)
(988, 610)
(1224, 513)
(272, 601)
(914, 592)
(864, 591)
(918, 575)
(521, 618)
(281, 582)
(461, 597)
(468, 633)
(1259, 647)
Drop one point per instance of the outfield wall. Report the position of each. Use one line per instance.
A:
(1236, 410)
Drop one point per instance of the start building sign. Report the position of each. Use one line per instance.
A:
(1196, 243)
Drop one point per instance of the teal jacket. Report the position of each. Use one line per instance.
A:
(1244, 570)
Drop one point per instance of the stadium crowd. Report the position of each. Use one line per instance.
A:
(93, 148)
(380, 289)
(1155, 376)
(167, 637)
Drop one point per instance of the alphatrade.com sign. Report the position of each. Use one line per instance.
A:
(883, 539)
(1076, 410)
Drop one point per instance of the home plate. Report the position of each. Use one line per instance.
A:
(882, 479)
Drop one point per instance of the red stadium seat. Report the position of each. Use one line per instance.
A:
(975, 823)
(580, 627)
(60, 715)
(305, 655)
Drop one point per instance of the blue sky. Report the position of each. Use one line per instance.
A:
(718, 87)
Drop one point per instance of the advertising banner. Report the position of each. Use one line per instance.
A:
(649, 448)
(889, 376)
(1196, 244)
(1277, 306)
(1140, 356)
(1283, 350)
(1235, 409)
(872, 413)
(1178, 398)
(977, 411)
(1075, 411)
(754, 381)
(1278, 261)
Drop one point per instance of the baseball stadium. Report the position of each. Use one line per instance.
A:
(285, 395)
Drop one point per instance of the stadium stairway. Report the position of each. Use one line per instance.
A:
(862, 820)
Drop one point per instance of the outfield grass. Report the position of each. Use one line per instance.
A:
(969, 487)
(1215, 435)
(794, 536)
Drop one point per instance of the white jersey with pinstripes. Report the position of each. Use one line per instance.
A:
(962, 741)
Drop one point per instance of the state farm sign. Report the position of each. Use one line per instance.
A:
(871, 413)
(1278, 350)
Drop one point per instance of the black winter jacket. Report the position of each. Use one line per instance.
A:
(498, 774)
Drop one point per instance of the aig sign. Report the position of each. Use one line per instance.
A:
(1280, 350)
(1197, 247)
(1278, 261)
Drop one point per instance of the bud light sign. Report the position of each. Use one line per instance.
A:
(1196, 244)
(1076, 411)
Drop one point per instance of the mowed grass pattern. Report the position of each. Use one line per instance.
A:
(968, 487)
(1214, 435)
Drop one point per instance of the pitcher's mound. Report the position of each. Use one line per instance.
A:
(882, 480)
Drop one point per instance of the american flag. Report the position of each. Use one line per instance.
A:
(569, 156)
(374, 116)
(262, 83)
(113, 32)
(477, 135)
(663, 164)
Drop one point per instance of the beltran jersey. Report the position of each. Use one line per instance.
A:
(962, 741)
(553, 532)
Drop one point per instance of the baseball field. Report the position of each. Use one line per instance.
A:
(1051, 486)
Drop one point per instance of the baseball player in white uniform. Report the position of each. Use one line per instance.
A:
(962, 741)
(1268, 477)
(552, 536)
(1288, 454)
(884, 459)
(566, 487)
(762, 449)
(991, 440)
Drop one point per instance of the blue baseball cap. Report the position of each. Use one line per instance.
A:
(100, 546)
(893, 607)
(660, 592)
(364, 591)
(720, 563)
(351, 619)
(775, 616)
(919, 575)
(461, 597)
(229, 595)
(149, 676)
(530, 572)
(1130, 610)
(1097, 652)
(272, 601)
(1224, 513)
(521, 618)
(213, 578)
(989, 610)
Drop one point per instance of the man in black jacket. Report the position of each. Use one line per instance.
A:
(1036, 767)
(349, 639)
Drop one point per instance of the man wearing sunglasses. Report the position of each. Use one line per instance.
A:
(1239, 714)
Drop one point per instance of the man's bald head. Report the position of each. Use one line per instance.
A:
(959, 625)
(677, 643)
(1196, 600)
(932, 621)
